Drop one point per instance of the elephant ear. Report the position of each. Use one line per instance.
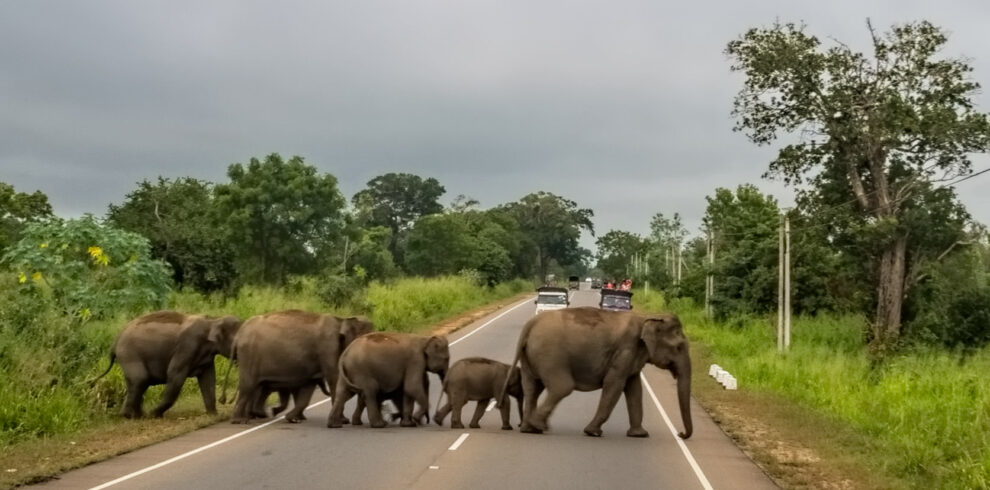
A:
(436, 344)
(650, 334)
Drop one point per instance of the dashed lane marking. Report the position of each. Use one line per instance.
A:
(458, 442)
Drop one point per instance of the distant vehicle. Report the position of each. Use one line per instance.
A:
(574, 282)
(551, 298)
(596, 283)
(616, 300)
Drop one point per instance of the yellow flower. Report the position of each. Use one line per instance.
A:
(98, 256)
(43, 245)
(21, 278)
(85, 313)
(36, 276)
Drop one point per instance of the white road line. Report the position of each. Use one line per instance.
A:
(266, 424)
(458, 442)
(673, 431)
(506, 312)
(195, 451)
(491, 405)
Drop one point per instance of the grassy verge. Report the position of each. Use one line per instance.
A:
(51, 420)
(821, 416)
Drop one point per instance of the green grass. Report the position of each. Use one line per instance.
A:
(924, 413)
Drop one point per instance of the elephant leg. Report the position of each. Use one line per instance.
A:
(283, 401)
(172, 390)
(634, 405)
(302, 396)
(532, 388)
(358, 410)
(479, 411)
(340, 397)
(208, 388)
(442, 412)
(258, 405)
(457, 403)
(556, 392)
(135, 397)
(506, 412)
(246, 400)
(374, 407)
(611, 390)
(415, 391)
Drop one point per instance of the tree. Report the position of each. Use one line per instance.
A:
(616, 250)
(89, 269)
(884, 127)
(451, 242)
(276, 212)
(17, 209)
(553, 224)
(396, 201)
(177, 217)
(744, 227)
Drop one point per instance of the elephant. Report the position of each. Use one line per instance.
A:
(380, 366)
(587, 349)
(479, 379)
(166, 347)
(291, 352)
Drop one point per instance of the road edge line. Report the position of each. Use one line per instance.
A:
(506, 312)
(680, 442)
(195, 451)
(460, 440)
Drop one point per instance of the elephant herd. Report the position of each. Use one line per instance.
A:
(292, 353)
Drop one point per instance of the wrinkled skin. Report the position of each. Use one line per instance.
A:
(479, 379)
(166, 347)
(291, 352)
(379, 366)
(587, 349)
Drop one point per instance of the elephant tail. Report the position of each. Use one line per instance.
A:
(520, 348)
(113, 358)
(325, 388)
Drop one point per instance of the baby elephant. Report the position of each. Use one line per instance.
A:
(478, 379)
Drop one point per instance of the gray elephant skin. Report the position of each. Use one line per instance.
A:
(587, 349)
(380, 366)
(479, 379)
(290, 352)
(166, 347)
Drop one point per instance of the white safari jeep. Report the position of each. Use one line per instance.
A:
(551, 298)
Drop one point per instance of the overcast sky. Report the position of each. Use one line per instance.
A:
(620, 106)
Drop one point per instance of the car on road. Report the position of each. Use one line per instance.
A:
(551, 298)
(615, 300)
(596, 283)
(574, 282)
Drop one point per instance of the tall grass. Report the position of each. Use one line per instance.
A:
(926, 411)
(47, 360)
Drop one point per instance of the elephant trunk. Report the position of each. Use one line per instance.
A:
(684, 395)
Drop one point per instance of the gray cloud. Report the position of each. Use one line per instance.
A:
(620, 106)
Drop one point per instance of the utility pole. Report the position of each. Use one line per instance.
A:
(780, 287)
(709, 279)
(787, 280)
(679, 263)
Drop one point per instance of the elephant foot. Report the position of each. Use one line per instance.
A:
(378, 425)
(408, 423)
(637, 432)
(529, 429)
(593, 431)
(294, 420)
(354, 422)
(211, 412)
(456, 425)
(334, 424)
(438, 420)
(506, 427)
(302, 417)
(239, 421)
(474, 426)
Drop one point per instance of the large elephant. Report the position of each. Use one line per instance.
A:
(291, 352)
(479, 379)
(380, 366)
(586, 349)
(166, 347)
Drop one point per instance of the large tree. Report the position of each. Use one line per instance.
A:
(883, 126)
(278, 212)
(616, 251)
(553, 224)
(177, 217)
(396, 201)
(17, 209)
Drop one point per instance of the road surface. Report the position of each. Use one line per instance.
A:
(276, 454)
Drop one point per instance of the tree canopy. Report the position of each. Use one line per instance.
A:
(395, 201)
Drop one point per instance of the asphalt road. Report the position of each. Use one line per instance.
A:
(276, 454)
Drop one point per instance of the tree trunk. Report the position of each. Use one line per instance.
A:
(890, 294)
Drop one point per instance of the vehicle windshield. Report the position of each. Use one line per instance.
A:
(552, 299)
(615, 301)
